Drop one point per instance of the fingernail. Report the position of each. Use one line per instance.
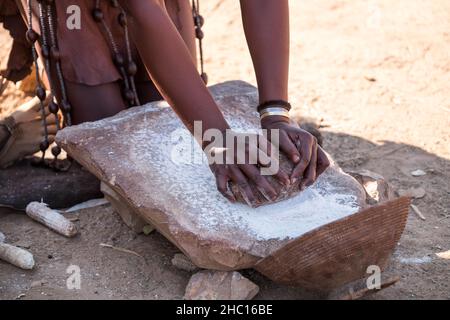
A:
(266, 195)
(231, 196)
(296, 158)
(294, 180)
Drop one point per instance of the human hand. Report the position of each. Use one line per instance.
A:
(301, 147)
(241, 164)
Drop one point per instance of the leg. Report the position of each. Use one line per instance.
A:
(91, 103)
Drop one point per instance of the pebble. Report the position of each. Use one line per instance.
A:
(444, 255)
(38, 283)
(418, 173)
(182, 262)
(416, 193)
(220, 285)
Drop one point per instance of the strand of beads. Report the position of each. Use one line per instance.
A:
(199, 21)
(132, 67)
(130, 70)
(55, 54)
(32, 37)
(48, 53)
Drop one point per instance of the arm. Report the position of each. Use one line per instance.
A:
(170, 65)
(171, 68)
(266, 26)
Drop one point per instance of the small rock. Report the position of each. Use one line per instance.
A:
(20, 296)
(147, 229)
(38, 283)
(418, 173)
(377, 188)
(416, 193)
(2, 237)
(444, 255)
(417, 211)
(182, 262)
(220, 285)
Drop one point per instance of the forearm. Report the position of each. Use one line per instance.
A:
(170, 65)
(266, 26)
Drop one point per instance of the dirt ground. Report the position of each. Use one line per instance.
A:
(375, 72)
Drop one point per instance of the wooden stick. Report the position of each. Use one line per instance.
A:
(417, 211)
(16, 256)
(119, 249)
(364, 292)
(54, 220)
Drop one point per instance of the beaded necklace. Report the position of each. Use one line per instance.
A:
(51, 53)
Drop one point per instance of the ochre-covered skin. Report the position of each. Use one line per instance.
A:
(285, 191)
(167, 54)
(93, 85)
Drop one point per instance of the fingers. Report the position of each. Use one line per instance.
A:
(47, 112)
(283, 177)
(289, 148)
(306, 153)
(271, 162)
(35, 104)
(222, 186)
(50, 119)
(244, 188)
(264, 152)
(51, 139)
(266, 189)
(310, 172)
(322, 161)
(52, 129)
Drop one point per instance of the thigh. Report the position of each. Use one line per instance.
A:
(91, 103)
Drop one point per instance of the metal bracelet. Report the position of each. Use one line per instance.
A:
(272, 109)
(283, 113)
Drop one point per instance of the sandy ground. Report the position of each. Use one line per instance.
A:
(375, 72)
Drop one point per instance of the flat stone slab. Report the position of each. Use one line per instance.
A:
(147, 156)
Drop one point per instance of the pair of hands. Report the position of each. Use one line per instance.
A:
(299, 146)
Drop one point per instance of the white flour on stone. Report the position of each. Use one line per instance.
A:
(203, 210)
